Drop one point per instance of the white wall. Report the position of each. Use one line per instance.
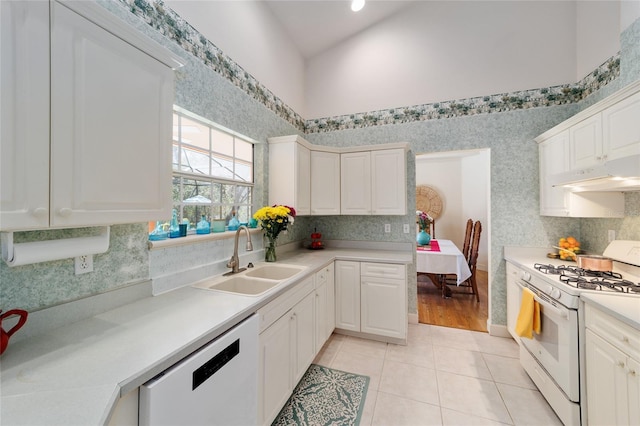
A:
(436, 51)
(597, 34)
(248, 33)
(461, 178)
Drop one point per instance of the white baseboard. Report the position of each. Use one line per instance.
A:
(413, 318)
(498, 330)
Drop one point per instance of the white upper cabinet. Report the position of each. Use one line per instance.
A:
(586, 143)
(24, 109)
(374, 182)
(105, 155)
(389, 189)
(355, 185)
(621, 128)
(325, 183)
(554, 158)
(290, 173)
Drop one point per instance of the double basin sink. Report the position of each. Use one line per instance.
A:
(253, 281)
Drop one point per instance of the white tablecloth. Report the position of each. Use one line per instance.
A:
(449, 260)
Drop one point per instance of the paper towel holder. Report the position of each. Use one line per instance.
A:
(43, 251)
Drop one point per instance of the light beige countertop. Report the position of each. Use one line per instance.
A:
(74, 375)
(625, 308)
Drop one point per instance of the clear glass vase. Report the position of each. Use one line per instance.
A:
(270, 251)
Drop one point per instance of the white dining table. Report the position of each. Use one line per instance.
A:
(448, 260)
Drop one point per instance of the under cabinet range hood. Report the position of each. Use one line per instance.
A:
(621, 174)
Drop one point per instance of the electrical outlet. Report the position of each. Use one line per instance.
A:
(611, 235)
(405, 228)
(387, 227)
(84, 264)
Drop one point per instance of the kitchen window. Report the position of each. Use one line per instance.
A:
(212, 170)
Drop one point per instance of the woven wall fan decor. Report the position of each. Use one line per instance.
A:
(428, 200)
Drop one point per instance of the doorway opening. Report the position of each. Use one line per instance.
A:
(462, 179)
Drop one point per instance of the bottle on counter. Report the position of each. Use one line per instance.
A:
(174, 228)
(203, 227)
(158, 233)
(234, 223)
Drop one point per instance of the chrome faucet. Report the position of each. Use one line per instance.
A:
(234, 262)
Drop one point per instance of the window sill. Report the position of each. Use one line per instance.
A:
(197, 238)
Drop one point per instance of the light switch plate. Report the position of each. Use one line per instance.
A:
(387, 227)
(405, 228)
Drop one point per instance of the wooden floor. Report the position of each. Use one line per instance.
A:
(459, 311)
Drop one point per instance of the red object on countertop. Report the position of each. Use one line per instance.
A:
(5, 335)
(432, 246)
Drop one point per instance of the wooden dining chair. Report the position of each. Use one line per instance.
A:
(472, 260)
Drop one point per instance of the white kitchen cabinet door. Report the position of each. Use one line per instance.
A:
(290, 176)
(383, 307)
(607, 396)
(621, 128)
(389, 187)
(303, 316)
(111, 118)
(24, 109)
(355, 183)
(553, 158)
(325, 183)
(325, 305)
(586, 143)
(347, 276)
(633, 390)
(275, 370)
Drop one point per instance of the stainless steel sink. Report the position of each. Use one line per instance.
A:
(274, 272)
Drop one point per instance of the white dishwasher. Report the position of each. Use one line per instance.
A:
(216, 385)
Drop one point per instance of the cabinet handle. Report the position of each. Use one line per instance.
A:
(65, 212)
(620, 364)
(40, 212)
(632, 372)
(625, 339)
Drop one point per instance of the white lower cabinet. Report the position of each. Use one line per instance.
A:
(612, 370)
(293, 329)
(325, 305)
(371, 298)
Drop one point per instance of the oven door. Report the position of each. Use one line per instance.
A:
(556, 347)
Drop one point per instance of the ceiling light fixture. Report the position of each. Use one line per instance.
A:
(357, 5)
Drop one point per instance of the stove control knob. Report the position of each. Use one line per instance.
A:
(525, 276)
(554, 293)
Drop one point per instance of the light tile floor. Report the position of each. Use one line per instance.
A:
(444, 376)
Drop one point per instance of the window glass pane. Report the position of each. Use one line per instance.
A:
(216, 193)
(243, 213)
(195, 161)
(176, 158)
(221, 167)
(194, 133)
(222, 142)
(196, 192)
(244, 150)
(176, 189)
(242, 194)
(176, 127)
(194, 214)
(243, 172)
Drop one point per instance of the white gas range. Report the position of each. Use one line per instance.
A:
(554, 359)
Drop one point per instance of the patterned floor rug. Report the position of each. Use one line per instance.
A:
(325, 397)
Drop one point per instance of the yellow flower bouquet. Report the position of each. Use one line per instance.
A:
(273, 220)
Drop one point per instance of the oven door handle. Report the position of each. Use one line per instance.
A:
(561, 313)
